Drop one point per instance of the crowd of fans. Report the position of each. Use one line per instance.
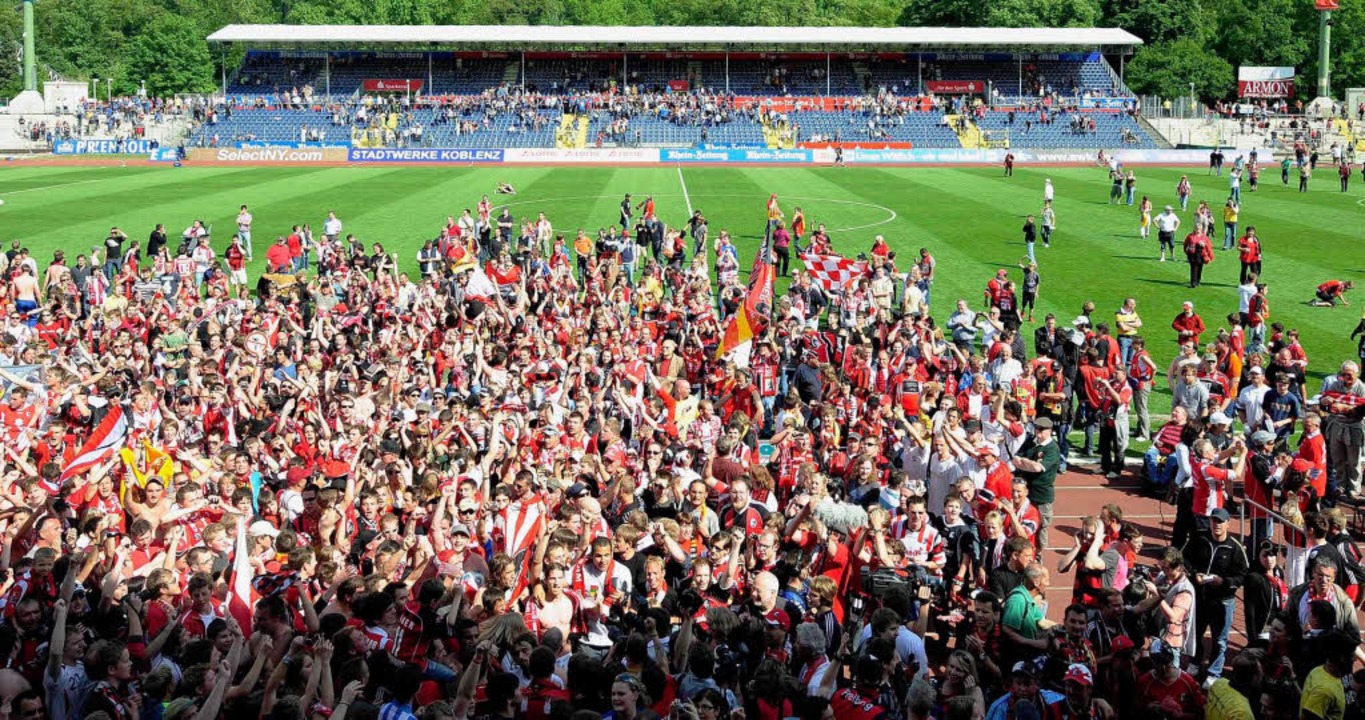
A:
(550, 476)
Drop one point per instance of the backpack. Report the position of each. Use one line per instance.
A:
(1350, 559)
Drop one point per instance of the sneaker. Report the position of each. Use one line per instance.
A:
(1111, 475)
(1208, 682)
(1163, 258)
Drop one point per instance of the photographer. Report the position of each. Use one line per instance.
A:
(1094, 570)
(1176, 605)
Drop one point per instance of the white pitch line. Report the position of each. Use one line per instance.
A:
(50, 187)
(686, 198)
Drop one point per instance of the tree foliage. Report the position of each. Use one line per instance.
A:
(1200, 41)
(1168, 69)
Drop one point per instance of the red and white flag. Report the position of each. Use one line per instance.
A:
(523, 522)
(832, 271)
(107, 438)
(241, 599)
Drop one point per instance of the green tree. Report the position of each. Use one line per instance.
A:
(1158, 21)
(1043, 13)
(945, 13)
(172, 56)
(1167, 69)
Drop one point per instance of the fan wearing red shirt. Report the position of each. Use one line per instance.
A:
(1212, 482)
(1331, 291)
(1249, 253)
(743, 512)
(1188, 325)
(995, 288)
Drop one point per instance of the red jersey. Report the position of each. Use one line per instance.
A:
(1210, 484)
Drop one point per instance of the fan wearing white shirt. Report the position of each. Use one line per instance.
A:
(331, 227)
(1249, 401)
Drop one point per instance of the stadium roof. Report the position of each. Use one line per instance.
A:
(674, 36)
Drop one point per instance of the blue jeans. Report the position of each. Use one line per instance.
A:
(1229, 235)
(1236, 194)
(1125, 349)
(1217, 616)
(245, 237)
(1256, 338)
(1131, 192)
(1160, 475)
(111, 268)
(1184, 201)
(1030, 253)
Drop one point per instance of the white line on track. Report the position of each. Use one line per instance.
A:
(683, 182)
(891, 215)
(50, 187)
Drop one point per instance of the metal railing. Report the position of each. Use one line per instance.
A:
(1181, 108)
(1274, 517)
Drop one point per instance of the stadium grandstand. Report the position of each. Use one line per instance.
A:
(575, 87)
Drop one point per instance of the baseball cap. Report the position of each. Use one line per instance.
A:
(1120, 644)
(460, 529)
(1255, 370)
(1022, 667)
(1081, 321)
(1079, 673)
(986, 450)
(261, 527)
(1163, 653)
(576, 490)
(1220, 515)
(1261, 437)
(1301, 466)
(296, 474)
(1187, 305)
(1219, 418)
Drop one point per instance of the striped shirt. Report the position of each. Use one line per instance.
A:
(394, 710)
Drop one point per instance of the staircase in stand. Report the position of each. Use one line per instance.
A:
(567, 134)
(970, 135)
(694, 74)
(863, 74)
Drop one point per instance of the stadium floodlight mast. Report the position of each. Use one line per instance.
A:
(29, 101)
(1323, 102)
(30, 56)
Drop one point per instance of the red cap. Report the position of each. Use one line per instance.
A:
(1301, 465)
(1079, 673)
(1119, 644)
(296, 474)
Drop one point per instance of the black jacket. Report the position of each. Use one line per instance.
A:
(1226, 559)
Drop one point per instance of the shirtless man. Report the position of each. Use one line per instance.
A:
(27, 296)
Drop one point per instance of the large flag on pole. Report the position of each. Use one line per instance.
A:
(751, 315)
(107, 438)
(833, 272)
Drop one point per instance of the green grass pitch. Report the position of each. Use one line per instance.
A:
(970, 218)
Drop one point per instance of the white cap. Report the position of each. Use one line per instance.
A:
(261, 527)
